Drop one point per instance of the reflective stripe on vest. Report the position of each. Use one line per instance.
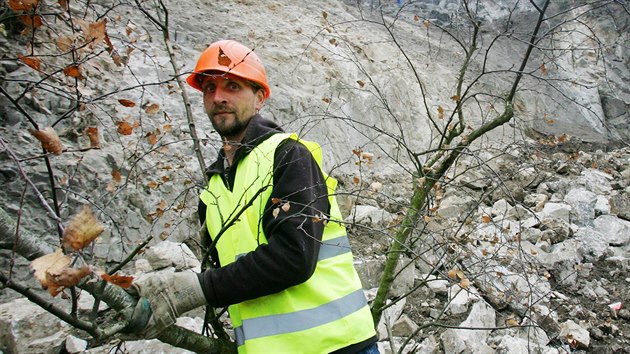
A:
(325, 313)
(300, 320)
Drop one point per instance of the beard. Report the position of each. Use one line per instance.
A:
(228, 128)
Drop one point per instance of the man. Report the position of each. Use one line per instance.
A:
(284, 265)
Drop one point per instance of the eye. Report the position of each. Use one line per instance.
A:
(233, 85)
(210, 87)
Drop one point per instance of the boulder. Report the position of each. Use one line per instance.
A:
(75, 345)
(474, 341)
(27, 328)
(576, 335)
(615, 230)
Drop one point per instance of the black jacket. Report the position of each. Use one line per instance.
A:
(290, 256)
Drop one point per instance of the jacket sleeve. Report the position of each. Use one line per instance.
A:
(294, 235)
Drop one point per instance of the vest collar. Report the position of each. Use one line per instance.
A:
(258, 130)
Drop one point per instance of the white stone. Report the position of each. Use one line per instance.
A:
(27, 328)
(556, 211)
(460, 298)
(575, 334)
(615, 230)
(389, 316)
(75, 345)
(404, 327)
(369, 215)
(142, 266)
(86, 303)
(437, 285)
(455, 206)
(602, 205)
(500, 207)
(457, 340)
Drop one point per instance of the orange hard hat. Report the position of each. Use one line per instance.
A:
(231, 57)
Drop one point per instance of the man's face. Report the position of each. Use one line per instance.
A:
(230, 102)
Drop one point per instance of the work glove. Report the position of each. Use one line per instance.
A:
(163, 297)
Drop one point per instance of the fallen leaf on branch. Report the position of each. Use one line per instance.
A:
(153, 108)
(124, 128)
(22, 5)
(120, 280)
(65, 278)
(73, 71)
(32, 21)
(50, 262)
(223, 59)
(92, 133)
(31, 62)
(83, 229)
(49, 140)
(126, 103)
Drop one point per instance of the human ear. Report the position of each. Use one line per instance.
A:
(260, 98)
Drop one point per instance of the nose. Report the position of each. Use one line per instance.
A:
(219, 96)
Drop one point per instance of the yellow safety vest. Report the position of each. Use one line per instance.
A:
(323, 314)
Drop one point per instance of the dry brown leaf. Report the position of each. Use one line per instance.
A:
(543, 69)
(92, 133)
(416, 18)
(73, 71)
(361, 83)
(324, 14)
(356, 180)
(464, 283)
(511, 322)
(124, 128)
(82, 230)
(49, 140)
(32, 21)
(120, 280)
(126, 103)
(117, 59)
(368, 156)
(94, 33)
(223, 59)
(452, 273)
(22, 5)
(455, 98)
(32, 62)
(152, 138)
(426, 24)
(275, 200)
(64, 4)
(153, 108)
(440, 112)
(65, 278)
(64, 44)
(486, 219)
(116, 175)
(52, 262)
